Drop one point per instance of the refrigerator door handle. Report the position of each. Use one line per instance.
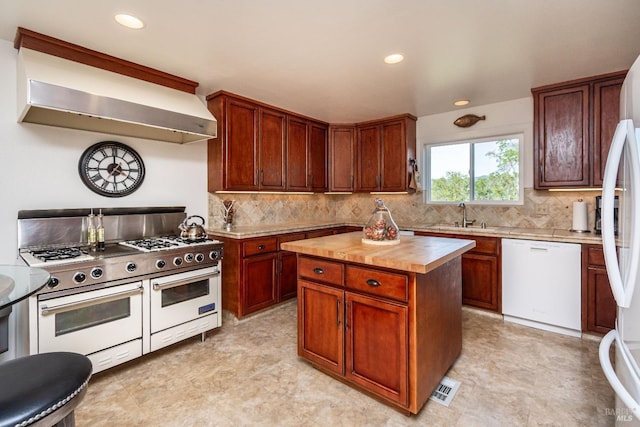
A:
(607, 368)
(622, 292)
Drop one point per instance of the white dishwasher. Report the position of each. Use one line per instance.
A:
(541, 285)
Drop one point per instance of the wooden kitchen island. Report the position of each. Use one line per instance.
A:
(384, 319)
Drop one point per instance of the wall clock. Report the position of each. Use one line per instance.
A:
(111, 169)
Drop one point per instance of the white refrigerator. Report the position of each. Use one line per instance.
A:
(622, 254)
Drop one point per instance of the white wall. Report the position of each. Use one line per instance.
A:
(501, 119)
(39, 167)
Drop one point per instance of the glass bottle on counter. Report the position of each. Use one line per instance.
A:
(380, 229)
(91, 232)
(100, 232)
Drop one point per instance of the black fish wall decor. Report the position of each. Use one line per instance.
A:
(468, 120)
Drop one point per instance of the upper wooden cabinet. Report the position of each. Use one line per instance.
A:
(342, 151)
(573, 127)
(306, 155)
(384, 149)
(260, 147)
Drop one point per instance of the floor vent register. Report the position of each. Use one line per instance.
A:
(445, 391)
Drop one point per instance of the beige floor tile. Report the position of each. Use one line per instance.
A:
(247, 373)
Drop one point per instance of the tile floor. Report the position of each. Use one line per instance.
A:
(247, 373)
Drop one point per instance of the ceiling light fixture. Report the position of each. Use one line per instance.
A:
(129, 21)
(461, 102)
(393, 58)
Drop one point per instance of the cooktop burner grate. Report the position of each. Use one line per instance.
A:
(57, 254)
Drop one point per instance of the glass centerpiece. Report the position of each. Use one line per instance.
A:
(380, 229)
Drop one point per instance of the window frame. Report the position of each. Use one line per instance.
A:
(426, 184)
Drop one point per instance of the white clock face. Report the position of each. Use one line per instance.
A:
(111, 169)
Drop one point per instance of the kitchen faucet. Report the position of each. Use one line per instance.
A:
(465, 222)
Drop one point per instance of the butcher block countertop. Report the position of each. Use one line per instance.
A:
(416, 254)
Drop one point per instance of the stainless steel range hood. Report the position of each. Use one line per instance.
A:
(58, 92)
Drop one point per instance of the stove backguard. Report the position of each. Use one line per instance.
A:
(68, 227)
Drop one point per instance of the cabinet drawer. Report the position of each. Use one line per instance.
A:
(484, 245)
(321, 270)
(320, 233)
(376, 282)
(259, 246)
(290, 238)
(595, 256)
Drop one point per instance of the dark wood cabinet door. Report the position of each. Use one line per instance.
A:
(297, 155)
(287, 275)
(318, 157)
(561, 139)
(377, 346)
(393, 160)
(368, 155)
(259, 282)
(272, 149)
(480, 281)
(320, 325)
(601, 311)
(606, 114)
(342, 158)
(241, 146)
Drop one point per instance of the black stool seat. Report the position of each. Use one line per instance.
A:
(42, 389)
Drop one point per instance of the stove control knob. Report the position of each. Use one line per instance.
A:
(188, 257)
(161, 263)
(53, 282)
(177, 261)
(214, 255)
(199, 257)
(97, 272)
(79, 277)
(131, 267)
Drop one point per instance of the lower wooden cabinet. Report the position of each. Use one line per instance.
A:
(377, 327)
(256, 274)
(598, 303)
(390, 333)
(481, 267)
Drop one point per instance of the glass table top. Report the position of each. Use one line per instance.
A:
(18, 282)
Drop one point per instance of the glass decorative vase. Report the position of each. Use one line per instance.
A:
(380, 229)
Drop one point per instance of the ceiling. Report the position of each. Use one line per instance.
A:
(324, 58)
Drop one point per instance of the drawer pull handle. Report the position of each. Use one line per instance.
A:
(318, 270)
(372, 282)
(261, 247)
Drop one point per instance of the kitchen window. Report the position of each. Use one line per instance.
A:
(483, 171)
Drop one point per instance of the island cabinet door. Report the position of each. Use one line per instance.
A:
(377, 337)
(320, 325)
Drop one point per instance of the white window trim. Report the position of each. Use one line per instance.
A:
(427, 172)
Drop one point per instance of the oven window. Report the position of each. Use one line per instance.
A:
(87, 317)
(186, 292)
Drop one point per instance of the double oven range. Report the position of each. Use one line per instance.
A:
(148, 289)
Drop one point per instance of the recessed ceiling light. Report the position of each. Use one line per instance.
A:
(461, 102)
(393, 58)
(129, 21)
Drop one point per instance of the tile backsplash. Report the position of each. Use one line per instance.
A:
(541, 209)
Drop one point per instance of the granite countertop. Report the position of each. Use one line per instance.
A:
(417, 254)
(553, 235)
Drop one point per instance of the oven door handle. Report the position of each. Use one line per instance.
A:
(44, 310)
(158, 286)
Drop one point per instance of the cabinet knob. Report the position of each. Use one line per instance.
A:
(261, 247)
(372, 282)
(318, 270)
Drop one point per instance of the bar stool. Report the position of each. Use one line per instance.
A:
(43, 390)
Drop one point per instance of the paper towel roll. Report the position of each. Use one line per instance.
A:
(580, 216)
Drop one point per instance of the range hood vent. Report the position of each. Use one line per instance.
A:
(58, 92)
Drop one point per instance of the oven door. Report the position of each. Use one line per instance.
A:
(184, 297)
(91, 321)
